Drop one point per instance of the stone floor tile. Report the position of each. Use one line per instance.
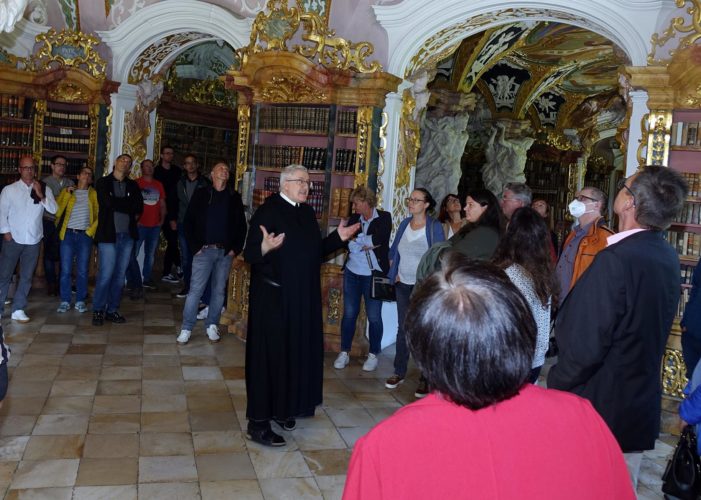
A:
(111, 446)
(40, 494)
(165, 422)
(17, 405)
(17, 425)
(233, 372)
(206, 387)
(29, 360)
(208, 442)
(243, 489)
(45, 473)
(303, 488)
(117, 404)
(351, 417)
(318, 439)
(82, 373)
(69, 405)
(272, 463)
(165, 444)
(30, 388)
(87, 349)
(163, 403)
(223, 421)
(118, 388)
(34, 373)
(12, 448)
(224, 467)
(331, 486)
(121, 373)
(48, 447)
(202, 373)
(124, 423)
(167, 469)
(170, 491)
(120, 492)
(61, 425)
(162, 387)
(208, 403)
(107, 471)
(162, 373)
(73, 388)
(327, 462)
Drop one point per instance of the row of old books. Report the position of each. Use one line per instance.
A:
(12, 106)
(686, 244)
(687, 272)
(15, 134)
(340, 202)
(65, 119)
(686, 134)
(9, 159)
(294, 118)
(694, 182)
(683, 301)
(347, 122)
(282, 156)
(67, 143)
(690, 213)
(345, 160)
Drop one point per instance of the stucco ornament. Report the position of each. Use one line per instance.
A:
(506, 158)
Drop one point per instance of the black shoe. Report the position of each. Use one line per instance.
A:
(115, 317)
(265, 437)
(98, 318)
(287, 425)
(182, 293)
(149, 284)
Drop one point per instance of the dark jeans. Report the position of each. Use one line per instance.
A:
(401, 357)
(172, 255)
(185, 255)
(51, 251)
(354, 287)
(113, 259)
(75, 245)
(148, 237)
(27, 255)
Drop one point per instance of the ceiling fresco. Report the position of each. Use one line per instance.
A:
(534, 69)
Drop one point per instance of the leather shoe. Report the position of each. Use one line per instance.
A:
(265, 437)
(289, 424)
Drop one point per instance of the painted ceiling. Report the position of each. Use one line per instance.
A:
(534, 69)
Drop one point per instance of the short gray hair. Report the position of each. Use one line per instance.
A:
(521, 192)
(659, 194)
(599, 196)
(290, 170)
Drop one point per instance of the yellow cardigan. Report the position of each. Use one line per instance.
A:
(65, 203)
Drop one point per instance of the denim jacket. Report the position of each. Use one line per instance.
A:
(434, 234)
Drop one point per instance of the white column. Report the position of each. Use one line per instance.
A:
(635, 134)
(393, 109)
(123, 102)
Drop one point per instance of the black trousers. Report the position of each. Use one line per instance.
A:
(172, 254)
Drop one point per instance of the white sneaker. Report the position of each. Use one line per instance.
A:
(341, 361)
(19, 316)
(203, 313)
(213, 333)
(370, 364)
(184, 337)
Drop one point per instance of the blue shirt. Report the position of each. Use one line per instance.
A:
(363, 262)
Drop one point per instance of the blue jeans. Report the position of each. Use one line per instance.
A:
(112, 266)
(148, 237)
(354, 287)
(185, 255)
(401, 357)
(209, 265)
(75, 245)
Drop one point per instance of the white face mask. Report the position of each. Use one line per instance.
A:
(577, 208)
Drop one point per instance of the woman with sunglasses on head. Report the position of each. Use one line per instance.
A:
(450, 215)
(414, 237)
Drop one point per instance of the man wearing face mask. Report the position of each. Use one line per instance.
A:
(587, 238)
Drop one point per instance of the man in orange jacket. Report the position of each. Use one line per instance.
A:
(587, 238)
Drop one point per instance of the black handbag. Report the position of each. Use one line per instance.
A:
(682, 477)
(382, 289)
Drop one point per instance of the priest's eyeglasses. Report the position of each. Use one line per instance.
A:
(301, 182)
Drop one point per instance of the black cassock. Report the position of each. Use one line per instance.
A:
(284, 344)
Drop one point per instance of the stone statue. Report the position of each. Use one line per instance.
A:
(443, 142)
(10, 12)
(137, 127)
(37, 12)
(506, 159)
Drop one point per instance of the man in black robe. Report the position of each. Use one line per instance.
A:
(284, 345)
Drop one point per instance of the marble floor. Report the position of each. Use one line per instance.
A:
(122, 412)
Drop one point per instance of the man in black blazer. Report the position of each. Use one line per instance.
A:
(613, 326)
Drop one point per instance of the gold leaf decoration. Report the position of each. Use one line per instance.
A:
(291, 89)
(69, 48)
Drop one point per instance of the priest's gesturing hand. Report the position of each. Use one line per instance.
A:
(347, 232)
(271, 241)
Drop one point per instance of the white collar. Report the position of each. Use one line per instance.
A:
(288, 200)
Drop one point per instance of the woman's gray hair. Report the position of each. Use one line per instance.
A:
(290, 170)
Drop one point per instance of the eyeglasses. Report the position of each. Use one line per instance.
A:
(301, 182)
(582, 198)
(414, 200)
(622, 185)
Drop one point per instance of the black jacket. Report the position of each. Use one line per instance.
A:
(380, 230)
(181, 194)
(612, 330)
(108, 204)
(195, 223)
(169, 178)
